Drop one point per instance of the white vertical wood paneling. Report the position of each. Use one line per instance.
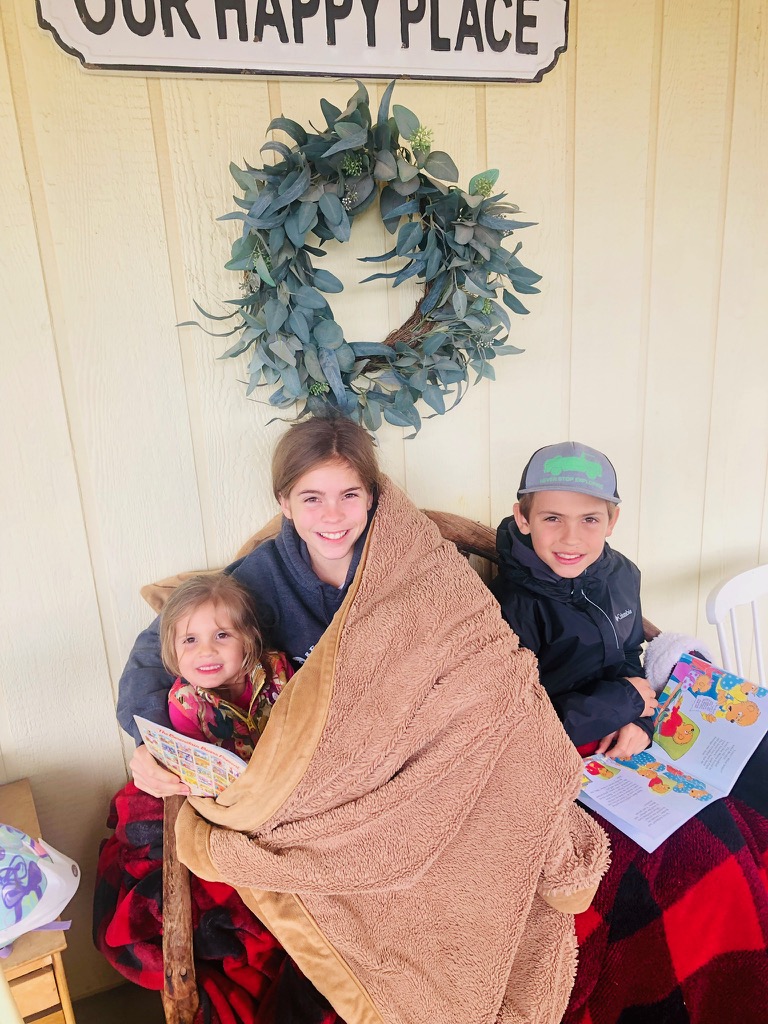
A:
(613, 133)
(737, 456)
(529, 140)
(95, 188)
(133, 451)
(693, 141)
(232, 441)
(57, 723)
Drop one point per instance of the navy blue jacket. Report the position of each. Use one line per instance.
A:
(587, 633)
(295, 609)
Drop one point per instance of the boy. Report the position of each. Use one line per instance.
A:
(574, 601)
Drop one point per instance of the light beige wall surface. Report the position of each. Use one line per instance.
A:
(129, 451)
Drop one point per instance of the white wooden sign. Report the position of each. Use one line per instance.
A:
(482, 40)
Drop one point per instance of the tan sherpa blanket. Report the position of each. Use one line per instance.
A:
(406, 826)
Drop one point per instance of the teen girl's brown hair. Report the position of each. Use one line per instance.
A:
(332, 438)
(218, 589)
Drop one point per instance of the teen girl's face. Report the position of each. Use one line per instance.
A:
(329, 507)
(568, 530)
(209, 651)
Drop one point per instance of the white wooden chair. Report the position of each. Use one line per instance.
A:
(746, 588)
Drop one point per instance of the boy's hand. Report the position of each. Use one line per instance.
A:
(646, 692)
(152, 778)
(628, 741)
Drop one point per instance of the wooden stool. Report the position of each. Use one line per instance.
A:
(34, 969)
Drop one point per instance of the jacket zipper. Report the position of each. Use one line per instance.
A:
(605, 613)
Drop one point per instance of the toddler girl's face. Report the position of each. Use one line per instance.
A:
(568, 530)
(329, 507)
(209, 652)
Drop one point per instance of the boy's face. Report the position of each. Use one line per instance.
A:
(568, 530)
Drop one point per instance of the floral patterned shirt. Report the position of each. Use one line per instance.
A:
(235, 725)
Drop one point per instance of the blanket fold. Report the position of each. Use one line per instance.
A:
(406, 826)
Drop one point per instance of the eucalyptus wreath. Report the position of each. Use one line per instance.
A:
(447, 237)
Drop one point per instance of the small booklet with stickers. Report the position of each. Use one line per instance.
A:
(708, 724)
(204, 767)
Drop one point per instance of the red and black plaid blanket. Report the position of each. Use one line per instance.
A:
(679, 936)
(244, 976)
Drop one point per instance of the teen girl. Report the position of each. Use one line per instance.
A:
(325, 477)
(227, 682)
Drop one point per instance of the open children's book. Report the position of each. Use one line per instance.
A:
(206, 768)
(708, 724)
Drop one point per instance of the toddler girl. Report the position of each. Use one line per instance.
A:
(226, 682)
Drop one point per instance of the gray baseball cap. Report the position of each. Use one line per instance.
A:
(570, 466)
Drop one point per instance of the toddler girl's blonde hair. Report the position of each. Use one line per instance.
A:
(218, 589)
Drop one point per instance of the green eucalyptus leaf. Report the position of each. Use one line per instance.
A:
(406, 171)
(406, 121)
(330, 367)
(358, 99)
(385, 168)
(244, 179)
(310, 298)
(343, 229)
(372, 415)
(312, 363)
(514, 303)
(383, 115)
(491, 177)
(347, 129)
(483, 250)
(440, 165)
(407, 188)
(306, 215)
(211, 316)
(331, 207)
(459, 300)
(371, 348)
(353, 140)
(345, 357)
(330, 112)
(261, 269)
(325, 281)
(328, 334)
(298, 324)
(293, 230)
(294, 190)
(285, 124)
(433, 341)
(282, 350)
(291, 382)
(277, 147)
(463, 233)
(433, 396)
(276, 314)
(408, 237)
(509, 350)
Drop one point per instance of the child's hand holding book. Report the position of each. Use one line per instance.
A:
(646, 692)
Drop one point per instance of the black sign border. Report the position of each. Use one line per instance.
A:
(198, 72)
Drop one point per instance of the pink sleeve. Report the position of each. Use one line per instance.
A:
(182, 711)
